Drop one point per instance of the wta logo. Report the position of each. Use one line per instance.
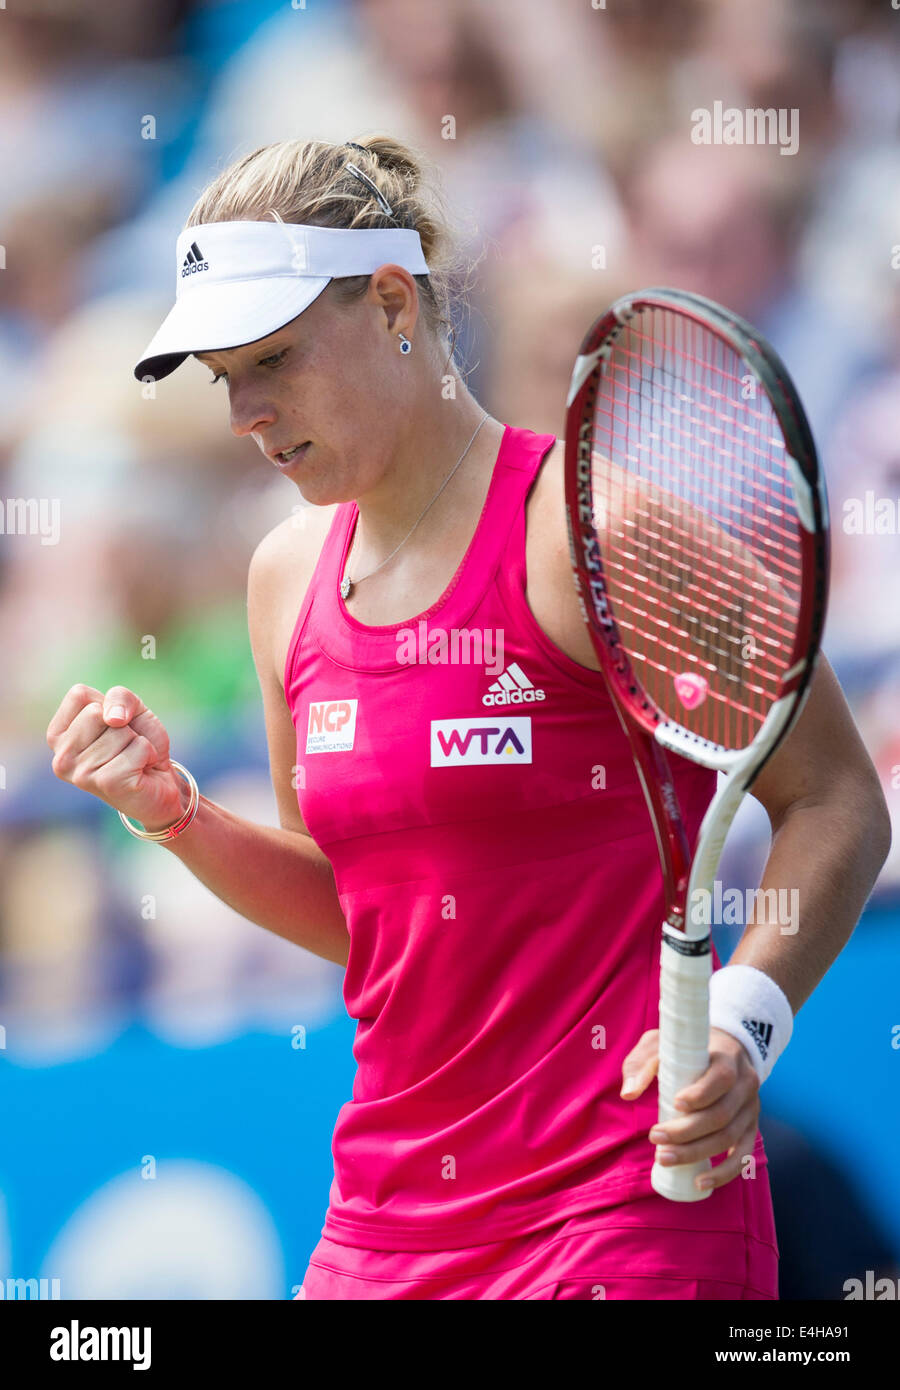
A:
(332, 726)
(467, 742)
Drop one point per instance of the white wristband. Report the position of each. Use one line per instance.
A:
(747, 1003)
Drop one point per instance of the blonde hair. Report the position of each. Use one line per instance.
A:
(307, 181)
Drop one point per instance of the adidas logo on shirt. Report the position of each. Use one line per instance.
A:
(761, 1033)
(193, 261)
(512, 688)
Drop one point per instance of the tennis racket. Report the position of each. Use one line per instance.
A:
(698, 529)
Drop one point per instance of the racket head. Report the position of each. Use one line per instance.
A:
(698, 526)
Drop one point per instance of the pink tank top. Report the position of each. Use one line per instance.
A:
(476, 796)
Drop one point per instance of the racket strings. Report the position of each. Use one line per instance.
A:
(780, 533)
(766, 482)
(694, 505)
(649, 550)
(644, 616)
(720, 644)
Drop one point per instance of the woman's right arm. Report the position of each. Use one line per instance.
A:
(275, 877)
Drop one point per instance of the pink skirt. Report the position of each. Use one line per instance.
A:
(721, 1248)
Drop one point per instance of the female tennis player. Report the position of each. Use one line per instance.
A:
(461, 823)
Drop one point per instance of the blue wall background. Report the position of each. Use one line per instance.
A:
(240, 1134)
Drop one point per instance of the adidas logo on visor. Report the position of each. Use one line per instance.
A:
(512, 688)
(193, 261)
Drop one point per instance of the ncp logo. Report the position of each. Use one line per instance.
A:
(465, 742)
(332, 726)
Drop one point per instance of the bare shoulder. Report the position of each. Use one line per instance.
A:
(550, 588)
(297, 539)
(550, 482)
(281, 568)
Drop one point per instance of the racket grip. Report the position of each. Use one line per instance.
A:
(683, 1054)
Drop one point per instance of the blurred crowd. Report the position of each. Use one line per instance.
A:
(563, 134)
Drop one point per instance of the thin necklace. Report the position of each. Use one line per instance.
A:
(348, 584)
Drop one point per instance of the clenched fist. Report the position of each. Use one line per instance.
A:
(114, 747)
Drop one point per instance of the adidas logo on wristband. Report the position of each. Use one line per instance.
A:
(761, 1033)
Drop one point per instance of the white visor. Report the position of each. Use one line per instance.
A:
(237, 282)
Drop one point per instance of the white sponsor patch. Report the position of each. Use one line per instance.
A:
(332, 726)
(464, 742)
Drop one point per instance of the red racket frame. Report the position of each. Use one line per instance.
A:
(638, 714)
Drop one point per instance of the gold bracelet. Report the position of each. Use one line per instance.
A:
(180, 825)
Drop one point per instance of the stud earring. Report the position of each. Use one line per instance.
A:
(405, 344)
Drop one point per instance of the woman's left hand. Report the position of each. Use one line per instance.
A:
(721, 1109)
